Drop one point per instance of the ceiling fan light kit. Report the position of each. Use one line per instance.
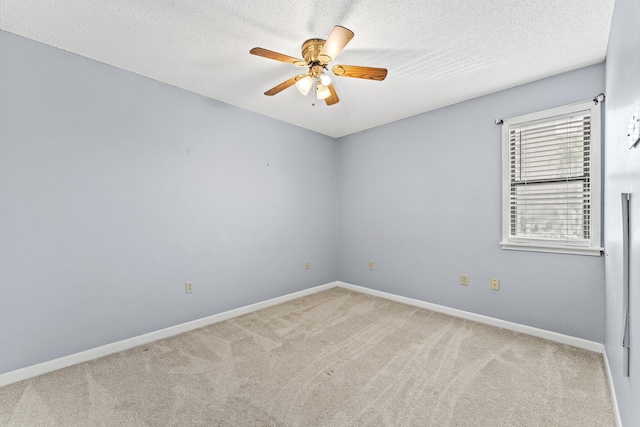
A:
(322, 91)
(304, 84)
(317, 53)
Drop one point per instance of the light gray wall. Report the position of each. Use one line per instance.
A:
(116, 189)
(622, 175)
(421, 198)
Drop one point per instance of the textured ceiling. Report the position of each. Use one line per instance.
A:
(438, 52)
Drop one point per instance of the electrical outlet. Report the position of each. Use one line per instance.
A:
(495, 284)
(306, 265)
(188, 287)
(370, 265)
(464, 279)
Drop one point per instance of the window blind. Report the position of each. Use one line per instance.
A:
(550, 179)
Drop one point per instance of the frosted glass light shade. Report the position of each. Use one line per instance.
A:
(304, 85)
(323, 91)
(324, 79)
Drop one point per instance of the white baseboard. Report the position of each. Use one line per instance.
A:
(105, 350)
(95, 353)
(541, 333)
(612, 390)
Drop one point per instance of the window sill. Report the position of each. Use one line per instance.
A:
(571, 250)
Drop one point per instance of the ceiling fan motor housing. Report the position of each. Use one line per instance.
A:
(311, 52)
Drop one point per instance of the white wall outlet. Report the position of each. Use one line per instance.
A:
(370, 265)
(495, 284)
(188, 287)
(464, 279)
(306, 265)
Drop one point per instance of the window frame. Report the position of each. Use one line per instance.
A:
(592, 246)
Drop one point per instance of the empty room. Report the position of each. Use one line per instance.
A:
(419, 213)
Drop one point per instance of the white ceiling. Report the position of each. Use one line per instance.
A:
(438, 52)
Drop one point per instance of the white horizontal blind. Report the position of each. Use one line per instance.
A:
(550, 179)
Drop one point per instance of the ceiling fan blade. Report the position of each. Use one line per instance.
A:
(357, 72)
(258, 51)
(333, 98)
(337, 40)
(282, 86)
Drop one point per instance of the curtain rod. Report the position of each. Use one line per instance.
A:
(598, 98)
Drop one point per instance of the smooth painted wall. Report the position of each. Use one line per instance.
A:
(116, 189)
(622, 175)
(421, 199)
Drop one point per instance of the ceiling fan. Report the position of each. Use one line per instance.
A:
(317, 53)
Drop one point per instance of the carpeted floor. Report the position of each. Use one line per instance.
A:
(336, 358)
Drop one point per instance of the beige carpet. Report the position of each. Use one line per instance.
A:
(336, 358)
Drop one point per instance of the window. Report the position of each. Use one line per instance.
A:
(551, 198)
